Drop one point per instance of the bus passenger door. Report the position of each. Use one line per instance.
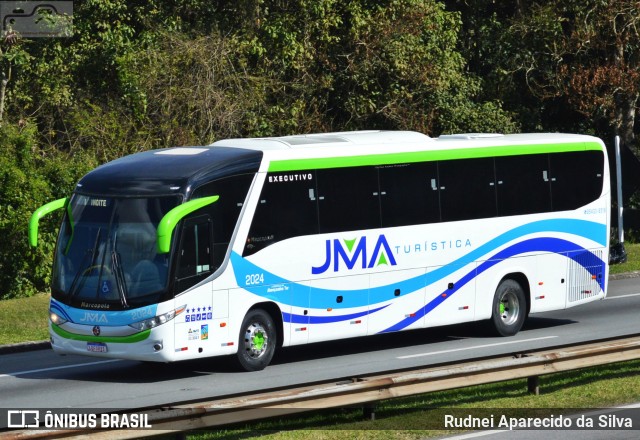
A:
(220, 303)
(202, 310)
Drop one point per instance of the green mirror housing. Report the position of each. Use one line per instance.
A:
(171, 219)
(41, 212)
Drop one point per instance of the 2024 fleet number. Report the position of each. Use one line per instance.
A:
(253, 279)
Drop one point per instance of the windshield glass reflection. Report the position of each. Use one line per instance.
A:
(107, 254)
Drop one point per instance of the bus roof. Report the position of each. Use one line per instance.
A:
(344, 149)
(168, 171)
(325, 140)
(179, 170)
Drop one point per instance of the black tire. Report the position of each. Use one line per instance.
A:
(509, 308)
(257, 341)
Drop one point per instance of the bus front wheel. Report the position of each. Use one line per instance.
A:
(509, 308)
(257, 342)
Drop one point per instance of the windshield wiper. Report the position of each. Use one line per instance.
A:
(118, 274)
(83, 271)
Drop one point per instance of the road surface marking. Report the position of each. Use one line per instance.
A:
(497, 344)
(62, 367)
(622, 296)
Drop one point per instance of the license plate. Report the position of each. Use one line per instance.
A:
(97, 347)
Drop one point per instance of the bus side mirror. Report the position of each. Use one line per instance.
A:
(173, 217)
(41, 212)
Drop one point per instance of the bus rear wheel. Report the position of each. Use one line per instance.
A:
(257, 342)
(509, 308)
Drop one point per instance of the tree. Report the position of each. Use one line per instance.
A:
(30, 178)
(586, 52)
(11, 54)
(388, 64)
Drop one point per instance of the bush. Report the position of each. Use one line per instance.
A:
(29, 178)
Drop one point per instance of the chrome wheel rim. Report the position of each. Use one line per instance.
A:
(509, 308)
(256, 340)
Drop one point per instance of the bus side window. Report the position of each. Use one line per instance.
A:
(194, 253)
(226, 211)
(348, 199)
(467, 189)
(287, 208)
(523, 184)
(576, 178)
(409, 194)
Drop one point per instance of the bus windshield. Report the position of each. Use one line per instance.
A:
(106, 256)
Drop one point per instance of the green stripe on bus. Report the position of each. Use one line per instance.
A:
(170, 220)
(88, 338)
(427, 156)
(41, 212)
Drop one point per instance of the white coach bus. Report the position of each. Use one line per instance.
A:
(248, 245)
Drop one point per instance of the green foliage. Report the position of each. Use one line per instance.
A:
(559, 65)
(310, 66)
(16, 190)
(29, 179)
(221, 96)
(363, 65)
(104, 132)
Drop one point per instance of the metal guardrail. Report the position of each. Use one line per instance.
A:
(366, 390)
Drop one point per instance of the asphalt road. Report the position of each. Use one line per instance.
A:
(42, 379)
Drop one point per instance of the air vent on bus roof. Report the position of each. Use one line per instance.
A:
(311, 140)
(469, 135)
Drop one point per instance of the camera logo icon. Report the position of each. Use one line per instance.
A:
(33, 19)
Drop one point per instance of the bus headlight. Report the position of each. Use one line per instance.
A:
(56, 319)
(157, 320)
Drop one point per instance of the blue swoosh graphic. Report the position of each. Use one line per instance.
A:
(586, 259)
(322, 298)
(302, 319)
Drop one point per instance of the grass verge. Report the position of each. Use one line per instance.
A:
(633, 260)
(24, 319)
(410, 418)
